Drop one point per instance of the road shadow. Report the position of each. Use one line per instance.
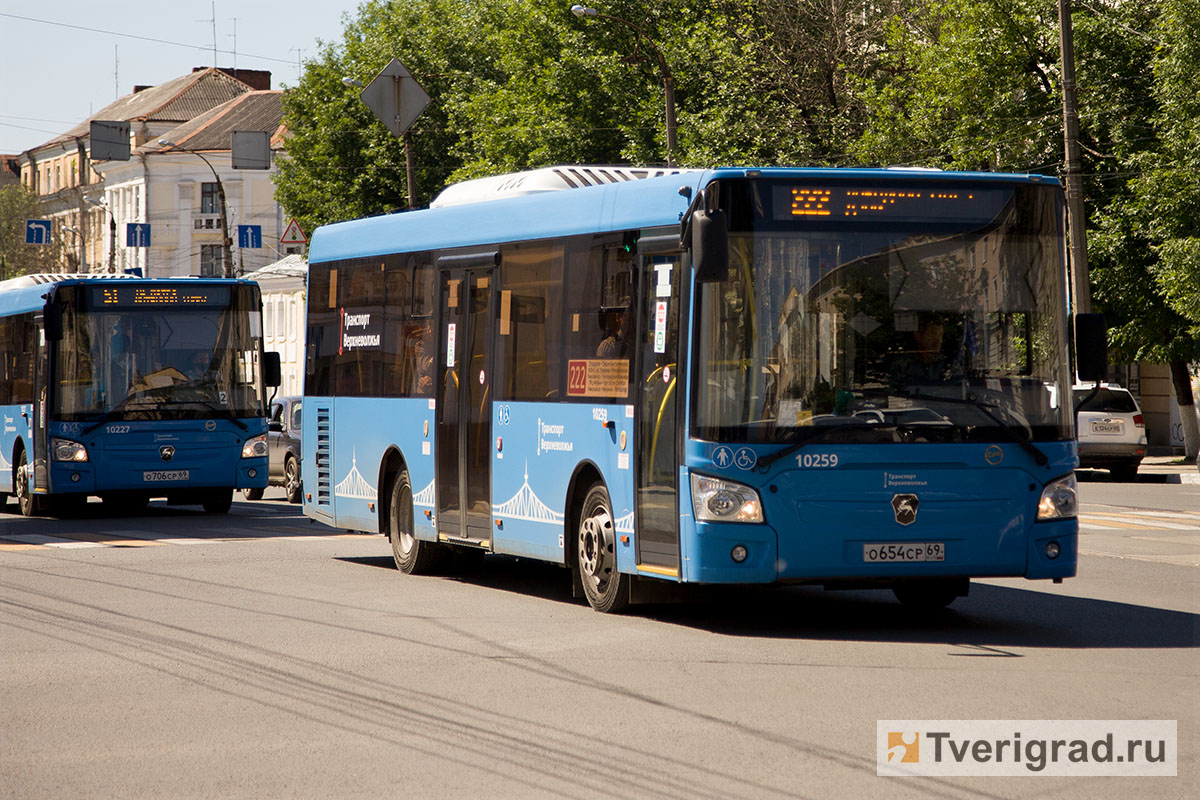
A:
(1104, 476)
(988, 623)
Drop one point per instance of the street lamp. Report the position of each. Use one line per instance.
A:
(112, 229)
(82, 245)
(226, 242)
(667, 78)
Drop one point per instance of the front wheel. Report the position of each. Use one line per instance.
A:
(413, 556)
(291, 480)
(605, 588)
(253, 494)
(218, 501)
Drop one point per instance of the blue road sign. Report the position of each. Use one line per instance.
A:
(137, 234)
(37, 231)
(249, 235)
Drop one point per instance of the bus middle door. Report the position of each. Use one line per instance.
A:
(464, 401)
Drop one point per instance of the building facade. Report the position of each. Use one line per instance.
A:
(93, 202)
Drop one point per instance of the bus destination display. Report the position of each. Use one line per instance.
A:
(840, 203)
(143, 296)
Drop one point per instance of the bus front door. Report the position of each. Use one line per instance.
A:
(464, 419)
(659, 395)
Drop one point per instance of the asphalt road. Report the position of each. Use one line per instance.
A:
(256, 655)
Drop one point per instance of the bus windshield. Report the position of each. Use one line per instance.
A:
(857, 314)
(127, 357)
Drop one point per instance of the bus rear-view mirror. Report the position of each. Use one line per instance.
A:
(710, 245)
(1091, 347)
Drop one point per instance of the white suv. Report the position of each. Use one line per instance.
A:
(1111, 430)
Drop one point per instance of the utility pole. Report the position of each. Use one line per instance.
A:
(1081, 293)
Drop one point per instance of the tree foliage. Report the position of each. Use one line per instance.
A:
(964, 84)
(17, 204)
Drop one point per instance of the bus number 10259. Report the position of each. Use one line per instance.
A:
(817, 460)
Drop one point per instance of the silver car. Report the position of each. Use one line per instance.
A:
(1111, 430)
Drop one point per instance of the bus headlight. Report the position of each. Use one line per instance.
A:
(256, 447)
(716, 500)
(1060, 499)
(66, 450)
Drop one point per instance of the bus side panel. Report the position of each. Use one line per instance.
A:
(363, 429)
(13, 427)
(539, 446)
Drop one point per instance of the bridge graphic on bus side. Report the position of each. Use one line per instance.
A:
(424, 497)
(526, 505)
(355, 486)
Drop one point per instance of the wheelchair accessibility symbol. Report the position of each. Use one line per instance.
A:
(744, 458)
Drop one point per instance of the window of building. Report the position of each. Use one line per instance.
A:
(210, 199)
(210, 260)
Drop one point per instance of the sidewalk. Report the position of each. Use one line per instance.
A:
(1168, 466)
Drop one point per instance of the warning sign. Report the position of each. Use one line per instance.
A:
(598, 377)
(293, 234)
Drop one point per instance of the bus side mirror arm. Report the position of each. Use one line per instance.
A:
(1091, 348)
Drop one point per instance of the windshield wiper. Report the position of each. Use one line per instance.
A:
(818, 433)
(107, 416)
(1025, 444)
(220, 411)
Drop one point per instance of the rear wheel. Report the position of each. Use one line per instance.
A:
(1125, 473)
(931, 594)
(218, 501)
(291, 479)
(413, 556)
(606, 589)
(253, 494)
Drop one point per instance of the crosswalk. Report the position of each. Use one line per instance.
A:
(1168, 537)
(12, 542)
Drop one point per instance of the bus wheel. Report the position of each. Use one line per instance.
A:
(930, 594)
(606, 589)
(291, 480)
(29, 504)
(413, 556)
(218, 501)
(253, 494)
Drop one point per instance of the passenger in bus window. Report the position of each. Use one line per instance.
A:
(926, 362)
(421, 337)
(617, 344)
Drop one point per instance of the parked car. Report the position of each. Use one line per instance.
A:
(283, 436)
(1110, 429)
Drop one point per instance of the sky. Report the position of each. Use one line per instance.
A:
(63, 61)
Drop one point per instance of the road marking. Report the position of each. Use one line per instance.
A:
(49, 541)
(139, 538)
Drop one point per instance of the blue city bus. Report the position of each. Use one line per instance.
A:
(838, 377)
(129, 389)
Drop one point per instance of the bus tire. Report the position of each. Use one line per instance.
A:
(30, 504)
(218, 501)
(606, 589)
(291, 480)
(253, 494)
(413, 556)
(929, 595)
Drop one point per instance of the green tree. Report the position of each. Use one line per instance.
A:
(17, 204)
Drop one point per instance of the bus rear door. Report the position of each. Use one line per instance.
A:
(464, 401)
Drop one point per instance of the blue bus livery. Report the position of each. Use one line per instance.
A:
(836, 377)
(130, 388)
